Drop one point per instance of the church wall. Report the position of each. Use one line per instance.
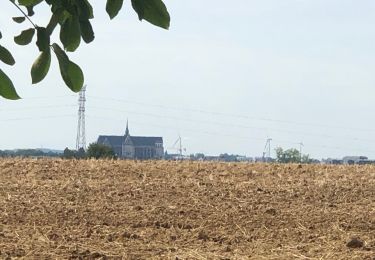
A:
(146, 152)
(117, 150)
(128, 151)
(159, 152)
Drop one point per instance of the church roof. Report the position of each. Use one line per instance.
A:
(113, 140)
(145, 141)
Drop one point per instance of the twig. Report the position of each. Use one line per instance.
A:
(27, 17)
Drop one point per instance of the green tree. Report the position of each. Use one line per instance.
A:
(73, 17)
(98, 151)
(80, 154)
(68, 154)
(74, 154)
(290, 156)
(306, 159)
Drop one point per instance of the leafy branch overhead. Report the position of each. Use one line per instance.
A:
(73, 18)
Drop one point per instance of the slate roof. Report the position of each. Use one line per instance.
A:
(137, 140)
(112, 139)
(145, 141)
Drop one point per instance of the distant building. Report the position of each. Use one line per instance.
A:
(264, 159)
(349, 160)
(134, 147)
(355, 160)
(244, 159)
(332, 161)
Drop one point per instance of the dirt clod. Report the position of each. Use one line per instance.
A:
(271, 211)
(355, 243)
(202, 236)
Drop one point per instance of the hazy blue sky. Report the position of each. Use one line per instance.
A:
(225, 77)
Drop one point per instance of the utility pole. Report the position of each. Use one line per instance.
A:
(81, 135)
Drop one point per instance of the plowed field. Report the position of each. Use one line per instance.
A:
(56, 209)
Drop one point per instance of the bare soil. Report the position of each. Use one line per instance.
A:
(66, 209)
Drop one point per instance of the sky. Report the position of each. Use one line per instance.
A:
(225, 77)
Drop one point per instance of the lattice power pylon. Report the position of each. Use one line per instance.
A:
(81, 135)
(267, 150)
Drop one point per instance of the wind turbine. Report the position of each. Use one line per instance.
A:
(300, 151)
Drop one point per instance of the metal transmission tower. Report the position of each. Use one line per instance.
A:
(267, 150)
(180, 149)
(81, 135)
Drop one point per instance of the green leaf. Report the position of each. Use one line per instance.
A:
(85, 10)
(30, 10)
(43, 39)
(29, 2)
(75, 76)
(19, 19)
(41, 66)
(54, 21)
(87, 32)
(64, 15)
(70, 33)
(70, 72)
(113, 7)
(6, 56)
(7, 89)
(25, 37)
(153, 11)
(1, 36)
(60, 54)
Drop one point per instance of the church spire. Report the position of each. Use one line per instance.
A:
(127, 128)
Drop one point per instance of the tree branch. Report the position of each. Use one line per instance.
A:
(19, 8)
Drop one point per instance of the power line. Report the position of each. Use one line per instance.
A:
(337, 148)
(303, 133)
(235, 125)
(196, 121)
(201, 122)
(232, 115)
(171, 127)
(206, 112)
(46, 97)
(37, 107)
(35, 118)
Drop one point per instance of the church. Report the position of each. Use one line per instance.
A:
(134, 147)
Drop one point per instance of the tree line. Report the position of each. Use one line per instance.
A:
(27, 153)
(100, 151)
(97, 151)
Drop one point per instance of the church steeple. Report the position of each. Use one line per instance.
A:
(127, 128)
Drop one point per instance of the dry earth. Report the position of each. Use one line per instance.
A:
(55, 209)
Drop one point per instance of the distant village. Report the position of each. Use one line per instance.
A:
(40, 153)
(347, 160)
(129, 147)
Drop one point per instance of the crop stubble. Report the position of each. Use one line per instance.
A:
(67, 209)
